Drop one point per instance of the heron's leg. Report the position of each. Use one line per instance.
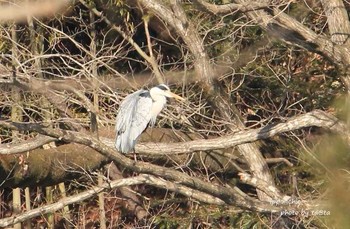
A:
(134, 154)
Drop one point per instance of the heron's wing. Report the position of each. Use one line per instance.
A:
(132, 119)
(126, 109)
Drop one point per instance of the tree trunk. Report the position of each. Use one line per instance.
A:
(176, 18)
(338, 21)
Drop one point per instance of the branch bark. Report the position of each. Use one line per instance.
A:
(48, 167)
(230, 7)
(271, 191)
(14, 148)
(315, 118)
(338, 21)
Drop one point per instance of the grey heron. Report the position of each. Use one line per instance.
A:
(138, 110)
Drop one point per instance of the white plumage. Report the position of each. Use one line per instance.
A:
(138, 110)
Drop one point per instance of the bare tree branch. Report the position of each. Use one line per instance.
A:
(337, 53)
(230, 7)
(315, 118)
(28, 145)
(149, 58)
(270, 190)
(93, 191)
(133, 203)
(278, 160)
(141, 179)
(59, 102)
(321, 43)
(192, 193)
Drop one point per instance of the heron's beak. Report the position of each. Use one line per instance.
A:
(175, 96)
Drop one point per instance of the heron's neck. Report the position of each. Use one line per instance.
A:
(158, 98)
(158, 105)
(159, 102)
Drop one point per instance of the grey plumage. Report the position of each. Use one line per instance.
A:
(136, 111)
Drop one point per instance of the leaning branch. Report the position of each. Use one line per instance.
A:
(93, 191)
(315, 118)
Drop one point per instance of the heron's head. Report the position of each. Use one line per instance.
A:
(163, 90)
